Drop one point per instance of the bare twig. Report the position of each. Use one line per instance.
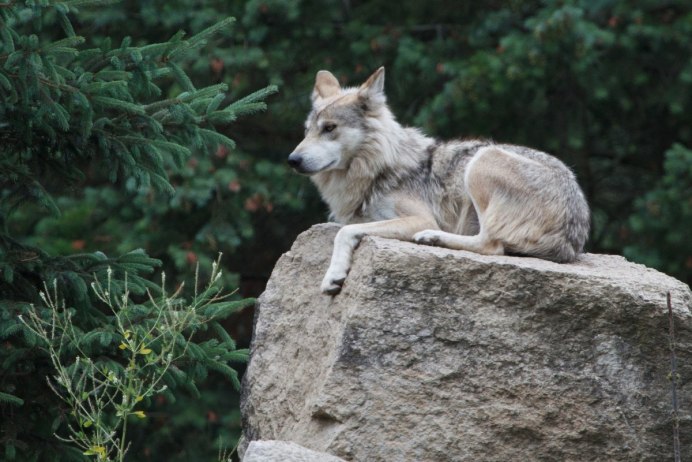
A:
(673, 382)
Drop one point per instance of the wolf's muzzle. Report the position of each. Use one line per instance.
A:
(295, 160)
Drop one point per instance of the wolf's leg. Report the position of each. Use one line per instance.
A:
(495, 182)
(478, 243)
(350, 236)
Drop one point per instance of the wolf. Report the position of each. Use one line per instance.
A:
(382, 179)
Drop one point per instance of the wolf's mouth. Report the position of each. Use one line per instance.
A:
(304, 171)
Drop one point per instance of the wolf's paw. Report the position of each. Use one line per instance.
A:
(332, 282)
(428, 237)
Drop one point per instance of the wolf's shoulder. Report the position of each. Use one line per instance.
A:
(461, 146)
(449, 155)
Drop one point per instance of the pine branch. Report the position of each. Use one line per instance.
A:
(199, 39)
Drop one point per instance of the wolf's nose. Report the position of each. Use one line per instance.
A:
(295, 159)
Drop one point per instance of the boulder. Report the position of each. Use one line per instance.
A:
(431, 354)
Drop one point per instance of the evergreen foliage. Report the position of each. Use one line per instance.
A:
(605, 85)
(218, 192)
(662, 217)
(75, 111)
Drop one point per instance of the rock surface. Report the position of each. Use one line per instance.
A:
(431, 354)
(284, 451)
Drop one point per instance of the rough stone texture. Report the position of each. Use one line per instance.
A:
(438, 355)
(283, 451)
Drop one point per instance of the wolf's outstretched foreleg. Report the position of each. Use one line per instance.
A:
(348, 238)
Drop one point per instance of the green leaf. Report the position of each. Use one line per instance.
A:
(11, 399)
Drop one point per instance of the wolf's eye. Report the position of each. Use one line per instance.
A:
(329, 127)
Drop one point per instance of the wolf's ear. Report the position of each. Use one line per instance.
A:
(373, 88)
(326, 85)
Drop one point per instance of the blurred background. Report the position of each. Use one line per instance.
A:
(605, 85)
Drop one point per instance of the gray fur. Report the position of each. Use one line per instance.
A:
(384, 179)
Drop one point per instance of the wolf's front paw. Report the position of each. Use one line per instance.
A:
(428, 237)
(332, 282)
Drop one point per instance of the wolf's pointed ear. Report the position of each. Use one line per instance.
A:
(326, 85)
(373, 88)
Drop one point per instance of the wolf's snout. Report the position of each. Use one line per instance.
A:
(295, 160)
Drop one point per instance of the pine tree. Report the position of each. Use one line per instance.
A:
(71, 109)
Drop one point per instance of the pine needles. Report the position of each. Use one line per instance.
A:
(75, 109)
(63, 101)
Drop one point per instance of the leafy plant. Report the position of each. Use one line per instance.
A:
(101, 395)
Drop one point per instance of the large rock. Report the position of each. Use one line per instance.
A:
(431, 354)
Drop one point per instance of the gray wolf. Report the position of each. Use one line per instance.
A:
(382, 179)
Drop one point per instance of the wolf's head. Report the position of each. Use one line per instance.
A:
(338, 123)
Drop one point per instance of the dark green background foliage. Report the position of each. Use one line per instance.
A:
(92, 132)
(606, 85)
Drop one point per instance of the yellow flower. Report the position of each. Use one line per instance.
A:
(96, 451)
